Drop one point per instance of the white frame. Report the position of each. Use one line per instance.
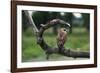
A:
(53, 63)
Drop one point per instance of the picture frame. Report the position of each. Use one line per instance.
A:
(19, 5)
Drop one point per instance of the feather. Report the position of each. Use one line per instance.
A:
(61, 38)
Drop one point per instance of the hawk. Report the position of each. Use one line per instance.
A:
(61, 38)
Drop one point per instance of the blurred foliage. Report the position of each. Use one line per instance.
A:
(86, 18)
(78, 40)
(42, 17)
(25, 21)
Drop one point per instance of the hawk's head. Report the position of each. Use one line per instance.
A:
(64, 29)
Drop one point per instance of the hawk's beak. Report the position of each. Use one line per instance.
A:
(68, 24)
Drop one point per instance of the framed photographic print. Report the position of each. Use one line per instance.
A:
(52, 36)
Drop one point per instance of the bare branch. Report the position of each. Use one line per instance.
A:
(31, 20)
(50, 50)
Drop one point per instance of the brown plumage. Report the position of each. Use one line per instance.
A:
(61, 38)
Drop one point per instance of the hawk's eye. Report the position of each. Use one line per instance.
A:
(64, 29)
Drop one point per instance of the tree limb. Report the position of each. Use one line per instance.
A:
(50, 50)
(31, 20)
